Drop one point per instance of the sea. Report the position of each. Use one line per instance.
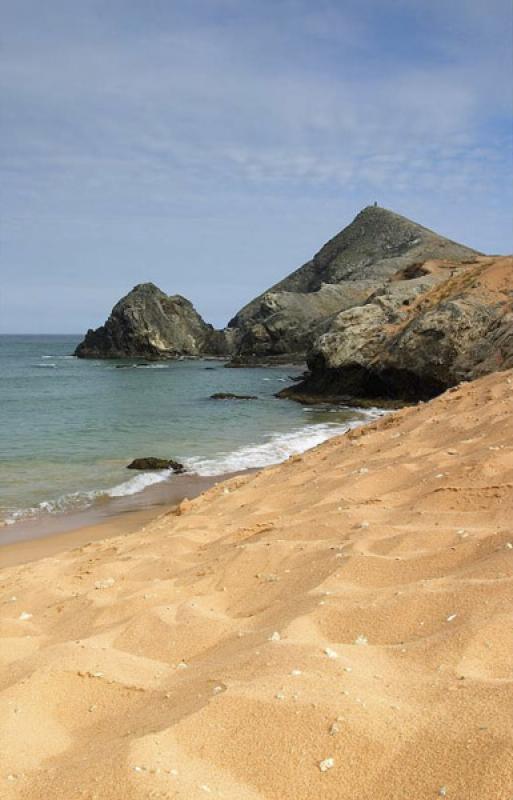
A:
(69, 427)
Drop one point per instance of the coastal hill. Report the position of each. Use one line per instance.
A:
(147, 323)
(284, 321)
(347, 270)
(338, 626)
(387, 309)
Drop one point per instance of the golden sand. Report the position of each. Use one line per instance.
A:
(340, 626)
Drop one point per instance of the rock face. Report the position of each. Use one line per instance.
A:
(148, 323)
(285, 320)
(404, 347)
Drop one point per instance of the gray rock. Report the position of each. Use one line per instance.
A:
(147, 323)
(460, 329)
(353, 266)
(231, 396)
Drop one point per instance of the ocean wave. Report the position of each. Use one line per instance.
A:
(79, 501)
(277, 448)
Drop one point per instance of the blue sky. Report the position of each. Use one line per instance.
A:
(212, 146)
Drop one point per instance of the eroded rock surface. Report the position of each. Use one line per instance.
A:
(461, 329)
(148, 323)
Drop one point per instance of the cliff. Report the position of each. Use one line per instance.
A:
(460, 329)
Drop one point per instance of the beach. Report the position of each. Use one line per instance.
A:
(337, 626)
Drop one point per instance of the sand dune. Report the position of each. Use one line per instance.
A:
(340, 626)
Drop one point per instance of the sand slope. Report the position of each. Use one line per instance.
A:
(353, 604)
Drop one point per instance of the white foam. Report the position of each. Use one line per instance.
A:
(278, 447)
(76, 501)
(138, 483)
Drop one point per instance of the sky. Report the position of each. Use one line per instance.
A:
(213, 146)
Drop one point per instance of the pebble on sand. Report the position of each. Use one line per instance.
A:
(330, 653)
(326, 764)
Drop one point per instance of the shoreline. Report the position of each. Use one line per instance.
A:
(348, 607)
(33, 539)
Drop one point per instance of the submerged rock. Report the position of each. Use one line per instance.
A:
(150, 324)
(230, 396)
(151, 462)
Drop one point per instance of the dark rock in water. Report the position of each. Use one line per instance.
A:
(230, 396)
(149, 324)
(345, 273)
(151, 462)
(459, 330)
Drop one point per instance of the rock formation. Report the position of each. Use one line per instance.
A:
(285, 320)
(147, 323)
(404, 347)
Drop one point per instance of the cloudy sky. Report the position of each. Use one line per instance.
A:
(212, 146)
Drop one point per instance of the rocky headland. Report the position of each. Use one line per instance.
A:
(404, 347)
(386, 310)
(353, 266)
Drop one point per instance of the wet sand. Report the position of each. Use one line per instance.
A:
(31, 539)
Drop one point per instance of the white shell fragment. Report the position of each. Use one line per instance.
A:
(451, 617)
(106, 584)
(24, 616)
(275, 637)
(326, 764)
(330, 653)
(361, 639)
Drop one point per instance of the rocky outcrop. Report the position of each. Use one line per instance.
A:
(150, 324)
(352, 267)
(401, 346)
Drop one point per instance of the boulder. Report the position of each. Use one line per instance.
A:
(150, 463)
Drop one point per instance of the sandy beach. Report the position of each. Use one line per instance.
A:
(336, 627)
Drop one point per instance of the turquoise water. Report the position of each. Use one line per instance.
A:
(69, 427)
